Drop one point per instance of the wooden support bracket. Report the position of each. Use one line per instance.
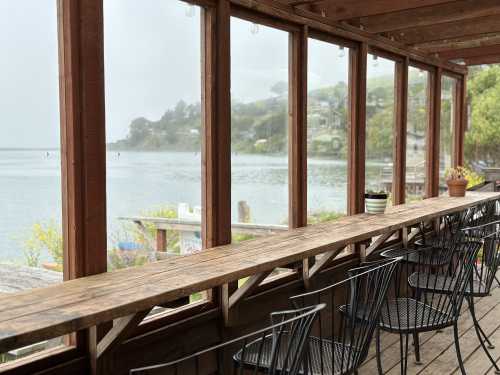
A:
(306, 269)
(404, 233)
(232, 300)
(378, 242)
(414, 234)
(323, 261)
(101, 349)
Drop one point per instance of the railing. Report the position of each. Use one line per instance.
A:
(162, 225)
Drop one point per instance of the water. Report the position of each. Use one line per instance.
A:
(137, 182)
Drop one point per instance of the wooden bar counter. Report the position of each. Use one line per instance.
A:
(40, 314)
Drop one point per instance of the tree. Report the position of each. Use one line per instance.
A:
(483, 139)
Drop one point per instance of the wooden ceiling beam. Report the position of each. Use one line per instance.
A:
(431, 15)
(444, 31)
(472, 41)
(490, 59)
(339, 10)
(316, 22)
(470, 52)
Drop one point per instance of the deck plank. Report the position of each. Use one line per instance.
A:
(438, 350)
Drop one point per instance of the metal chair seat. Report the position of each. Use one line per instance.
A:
(407, 315)
(324, 356)
(442, 284)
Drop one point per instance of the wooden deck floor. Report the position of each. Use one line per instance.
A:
(438, 351)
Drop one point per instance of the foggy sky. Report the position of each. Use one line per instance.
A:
(152, 60)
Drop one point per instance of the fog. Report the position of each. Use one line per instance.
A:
(152, 60)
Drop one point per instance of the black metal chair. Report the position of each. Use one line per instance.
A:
(416, 308)
(485, 269)
(340, 342)
(278, 349)
(451, 224)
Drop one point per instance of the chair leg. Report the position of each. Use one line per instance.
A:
(379, 352)
(481, 335)
(457, 349)
(403, 348)
(416, 343)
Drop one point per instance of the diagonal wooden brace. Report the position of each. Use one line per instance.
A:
(101, 349)
(324, 260)
(378, 242)
(232, 300)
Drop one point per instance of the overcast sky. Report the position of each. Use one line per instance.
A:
(152, 60)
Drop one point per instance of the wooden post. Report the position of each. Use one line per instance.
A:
(83, 143)
(216, 164)
(216, 154)
(297, 125)
(433, 133)
(243, 212)
(401, 93)
(161, 240)
(357, 129)
(81, 57)
(460, 121)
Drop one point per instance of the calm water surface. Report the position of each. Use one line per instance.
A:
(137, 182)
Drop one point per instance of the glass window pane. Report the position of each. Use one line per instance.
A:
(327, 131)
(31, 244)
(259, 129)
(482, 136)
(379, 123)
(416, 141)
(153, 130)
(446, 132)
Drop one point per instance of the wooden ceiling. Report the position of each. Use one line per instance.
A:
(463, 31)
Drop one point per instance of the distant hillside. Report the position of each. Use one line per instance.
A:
(261, 126)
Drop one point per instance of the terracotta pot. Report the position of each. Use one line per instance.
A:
(456, 188)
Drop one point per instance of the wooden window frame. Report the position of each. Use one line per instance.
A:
(81, 57)
(401, 64)
(430, 126)
(350, 46)
(458, 116)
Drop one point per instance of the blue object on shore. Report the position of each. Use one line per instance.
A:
(129, 246)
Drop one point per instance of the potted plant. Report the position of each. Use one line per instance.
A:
(456, 181)
(376, 202)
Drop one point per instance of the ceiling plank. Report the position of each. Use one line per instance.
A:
(491, 59)
(431, 15)
(470, 52)
(347, 9)
(473, 41)
(476, 26)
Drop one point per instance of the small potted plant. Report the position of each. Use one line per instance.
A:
(376, 202)
(456, 181)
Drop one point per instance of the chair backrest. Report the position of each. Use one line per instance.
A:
(429, 285)
(483, 213)
(278, 348)
(488, 259)
(344, 330)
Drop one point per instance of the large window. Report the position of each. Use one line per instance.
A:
(259, 129)
(416, 139)
(31, 244)
(380, 124)
(153, 130)
(327, 130)
(446, 132)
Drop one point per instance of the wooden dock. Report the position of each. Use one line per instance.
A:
(437, 348)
